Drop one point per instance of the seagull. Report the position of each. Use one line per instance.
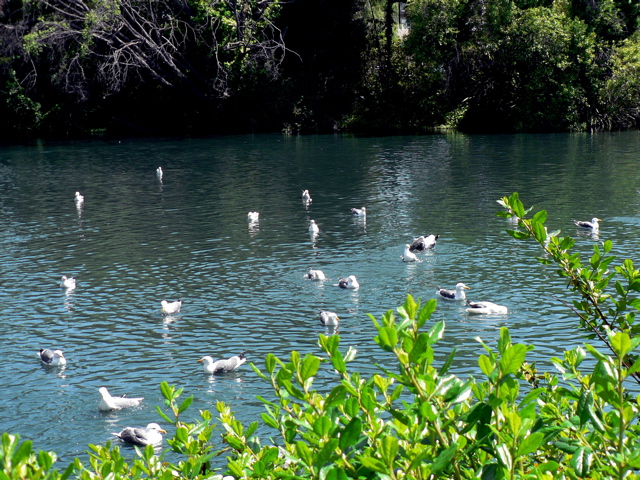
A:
(424, 243)
(457, 294)
(79, 198)
(159, 172)
(315, 275)
(171, 307)
(593, 224)
(151, 435)
(348, 282)
(313, 227)
(306, 198)
(54, 358)
(408, 255)
(253, 216)
(68, 283)
(361, 212)
(116, 403)
(222, 366)
(329, 319)
(485, 308)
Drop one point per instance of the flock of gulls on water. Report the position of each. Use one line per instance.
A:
(152, 433)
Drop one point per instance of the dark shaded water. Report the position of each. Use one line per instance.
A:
(138, 240)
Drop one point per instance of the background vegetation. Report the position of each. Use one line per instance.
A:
(374, 66)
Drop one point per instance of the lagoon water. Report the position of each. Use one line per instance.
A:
(138, 240)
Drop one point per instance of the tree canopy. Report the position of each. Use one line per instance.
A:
(212, 66)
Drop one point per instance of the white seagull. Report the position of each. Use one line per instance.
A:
(159, 172)
(457, 294)
(54, 358)
(593, 224)
(348, 282)
(486, 308)
(306, 198)
(171, 307)
(360, 212)
(315, 275)
(79, 198)
(150, 435)
(408, 255)
(222, 366)
(329, 319)
(313, 227)
(424, 243)
(253, 216)
(108, 402)
(68, 283)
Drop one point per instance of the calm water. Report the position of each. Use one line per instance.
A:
(138, 240)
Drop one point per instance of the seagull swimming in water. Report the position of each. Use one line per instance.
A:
(222, 366)
(424, 243)
(108, 402)
(253, 216)
(487, 308)
(457, 294)
(306, 198)
(313, 227)
(159, 172)
(68, 283)
(348, 282)
(360, 212)
(150, 435)
(79, 198)
(315, 275)
(329, 319)
(171, 307)
(408, 255)
(54, 358)
(593, 224)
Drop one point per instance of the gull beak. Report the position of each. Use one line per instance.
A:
(468, 288)
(200, 360)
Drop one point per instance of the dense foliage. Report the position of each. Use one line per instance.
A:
(417, 419)
(210, 66)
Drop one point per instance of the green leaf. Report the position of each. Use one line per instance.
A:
(270, 363)
(185, 404)
(426, 312)
(518, 235)
(387, 338)
(304, 453)
(621, 344)
(504, 456)
(389, 449)
(530, 444)
(335, 397)
(419, 348)
(443, 460)
(164, 415)
(310, 366)
(350, 434)
(513, 359)
(373, 464)
(322, 425)
(581, 461)
(336, 473)
(486, 365)
(436, 332)
(447, 364)
(270, 421)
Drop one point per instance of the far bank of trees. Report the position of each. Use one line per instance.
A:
(372, 66)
